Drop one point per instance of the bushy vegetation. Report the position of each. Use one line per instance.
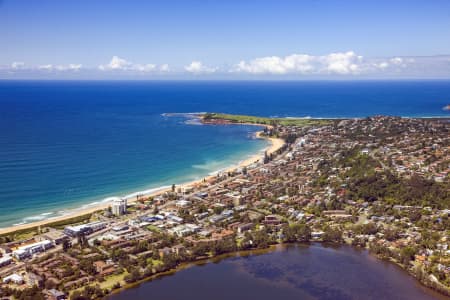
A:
(33, 293)
(89, 292)
(78, 219)
(367, 184)
(297, 233)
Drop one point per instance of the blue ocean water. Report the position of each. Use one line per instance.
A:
(64, 144)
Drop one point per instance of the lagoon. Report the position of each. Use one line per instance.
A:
(289, 272)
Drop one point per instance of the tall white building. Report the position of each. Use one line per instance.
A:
(119, 207)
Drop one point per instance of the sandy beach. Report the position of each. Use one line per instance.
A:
(276, 144)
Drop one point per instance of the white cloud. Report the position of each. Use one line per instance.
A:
(20, 67)
(398, 64)
(120, 64)
(70, 67)
(334, 63)
(116, 63)
(75, 67)
(145, 68)
(197, 67)
(342, 63)
(164, 68)
(296, 63)
(396, 60)
(382, 65)
(17, 65)
(48, 67)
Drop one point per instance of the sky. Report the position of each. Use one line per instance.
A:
(246, 39)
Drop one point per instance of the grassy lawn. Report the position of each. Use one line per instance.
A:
(25, 235)
(131, 209)
(70, 221)
(263, 120)
(111, 280)
(154, 262)
(20, 234)
(107, 284)
(239, 242)
(153, 228)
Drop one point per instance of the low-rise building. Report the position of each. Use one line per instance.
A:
(6, 260)
(28, 250)
(56, 295)
(13, 278)
(84, 229)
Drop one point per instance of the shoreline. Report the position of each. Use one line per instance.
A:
(184, 265)
(275, 144)
(196, 262)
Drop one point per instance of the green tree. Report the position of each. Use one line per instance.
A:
(332, 235)
(134, 276)
(66, 244)
(407, 254)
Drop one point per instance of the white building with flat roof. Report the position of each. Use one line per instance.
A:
(183, 203)
(14, 278)
(5, 260)
(119, 207)
(84, 229)
(28, 250)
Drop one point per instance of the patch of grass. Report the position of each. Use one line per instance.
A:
(154, 262)
(61, 224)
(18, 235)
(112, 279)
(153, 228)
(108, 283)
(263, 120)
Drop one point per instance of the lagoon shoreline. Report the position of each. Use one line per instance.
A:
(184, 265)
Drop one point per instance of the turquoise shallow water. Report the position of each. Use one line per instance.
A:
(134, 154)
(68, 144)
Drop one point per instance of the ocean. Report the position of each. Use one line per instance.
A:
(69, 144)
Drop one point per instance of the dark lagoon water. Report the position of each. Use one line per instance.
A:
(65, 144)
(289, 272)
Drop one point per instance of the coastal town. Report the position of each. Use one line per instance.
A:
(378, 183)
